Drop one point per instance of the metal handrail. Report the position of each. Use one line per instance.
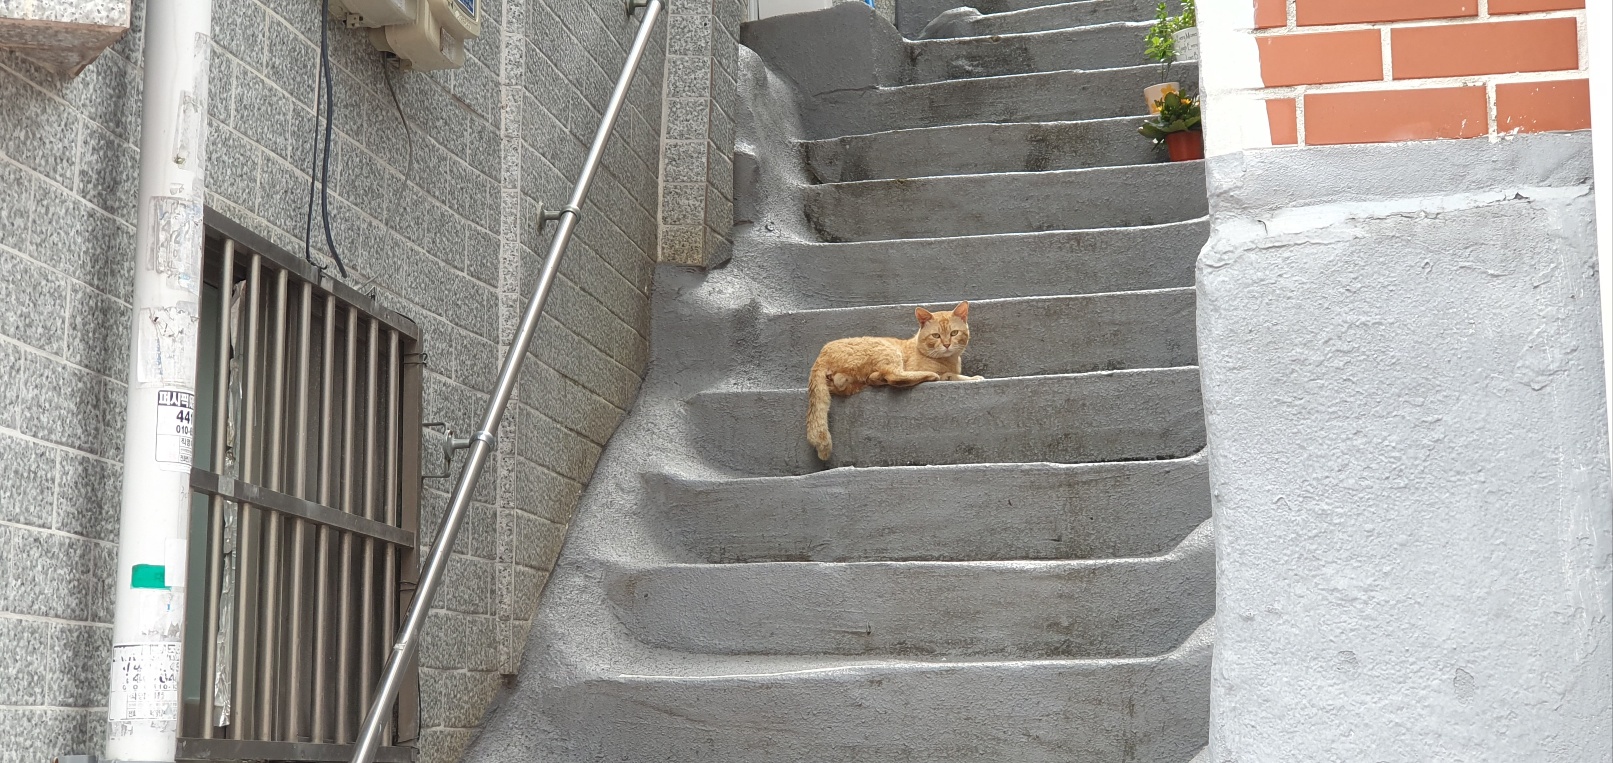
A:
(482, 442)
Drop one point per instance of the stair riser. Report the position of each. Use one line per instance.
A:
(1024, 713)
(1125, 416)
(980, 149)
(991, 267)
(1051, 97)
(1091, 609)
(1056, 335)
(1011, 203)
(912, 16)
(1104, 47)
(983, 513)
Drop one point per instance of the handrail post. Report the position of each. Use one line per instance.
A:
(407, 643)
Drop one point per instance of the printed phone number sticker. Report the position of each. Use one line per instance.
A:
(176, 428)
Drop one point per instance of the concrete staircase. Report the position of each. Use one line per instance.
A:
(1016, 570)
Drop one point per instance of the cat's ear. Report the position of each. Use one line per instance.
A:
(924, 316)
(961, 311)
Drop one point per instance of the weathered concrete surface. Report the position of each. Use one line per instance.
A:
(1099, 260)
(938, 610)
(990, 511)
(1016, 337)
(930, 19)
(1077, 418)
(63, 35)
(986, 712)
(1402, 377)
(1039, 97)
(710, 608)
(954, 205)
(1092, 47)
(980, 148)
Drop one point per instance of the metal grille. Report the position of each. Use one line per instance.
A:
(307, 473)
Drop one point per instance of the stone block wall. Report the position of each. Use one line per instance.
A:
(434, 210)
(701, 87)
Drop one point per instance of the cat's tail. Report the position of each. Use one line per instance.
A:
(817, 424)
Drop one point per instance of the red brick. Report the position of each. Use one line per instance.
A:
(1533, 6)
(1271, 13)
(1543, 106)
(1318, 58)
(1385, 116)
(1282, 114)
(1462, 50)
(1323, 12)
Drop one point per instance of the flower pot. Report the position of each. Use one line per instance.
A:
(1187, 44)
(1153, 94)
(1185, 146)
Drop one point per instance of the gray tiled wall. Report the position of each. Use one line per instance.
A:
(697, 200)
(433, 210)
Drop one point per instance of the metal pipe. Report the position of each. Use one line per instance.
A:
(345, 595)
(246, 545)
(273, 474)
(296, 645)
(322, 554)
(148, 622)
(216, 506)
(394, 408)
(482, 442)
(366, 615)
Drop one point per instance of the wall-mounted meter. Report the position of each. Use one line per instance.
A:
(425, 35)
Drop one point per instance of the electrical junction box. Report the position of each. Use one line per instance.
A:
(425, 35)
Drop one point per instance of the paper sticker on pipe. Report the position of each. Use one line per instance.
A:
(168, 345)
(145, 682)
(176, 427)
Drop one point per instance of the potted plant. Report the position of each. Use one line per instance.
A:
(1170, 38)
(1178, 125)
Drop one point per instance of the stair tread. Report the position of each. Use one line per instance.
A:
(1097, 46)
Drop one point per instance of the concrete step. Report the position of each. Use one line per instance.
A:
(989, 512)
(934, 19)
(1154, 710)
(993, 266)
(1014, 17)
(1103, 46)
(980, 149)
(929, 610)
(1041, 97)
(1076, 418)
(1022, 336)
(1009, 202)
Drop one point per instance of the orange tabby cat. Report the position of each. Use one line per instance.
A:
(845, 366)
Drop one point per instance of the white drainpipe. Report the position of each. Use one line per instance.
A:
(148, 627)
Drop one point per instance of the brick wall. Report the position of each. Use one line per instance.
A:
(1368, 71)
(433, 211)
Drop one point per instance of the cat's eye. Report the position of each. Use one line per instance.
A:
(954, 333)
(936, 335)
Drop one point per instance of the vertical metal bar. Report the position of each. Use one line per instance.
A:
(482, 441)
(389, 561)
(272, 622)
(246, 574)
(296, 646)
(215, 518)
(369, 606)
(409, 488)
(344, 620)
(323, 659)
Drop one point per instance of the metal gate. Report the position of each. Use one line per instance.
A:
(307, 482)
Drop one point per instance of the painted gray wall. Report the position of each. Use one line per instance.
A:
(1404, 400)
(437, 219)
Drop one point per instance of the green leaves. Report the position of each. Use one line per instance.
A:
(1158, 44)
(1177, 113)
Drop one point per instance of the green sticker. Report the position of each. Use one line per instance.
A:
(148, 576)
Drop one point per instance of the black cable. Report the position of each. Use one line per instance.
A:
(408, 134)
(313, 170)
(330, 119)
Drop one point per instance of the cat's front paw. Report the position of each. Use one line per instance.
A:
(974, 378)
